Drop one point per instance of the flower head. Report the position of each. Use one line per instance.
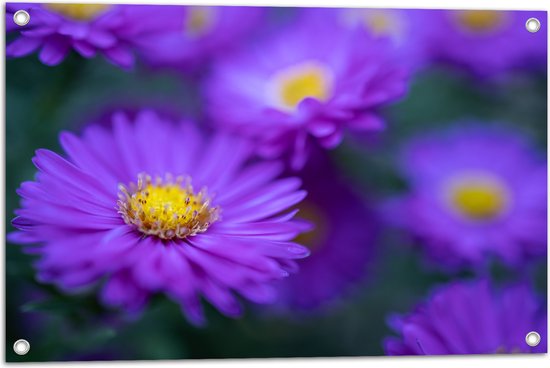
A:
(195, 34)
(487, 43)
(471, 318)
(307, 84)
(178, 36)
(476, 191)
(153, 207)
(55, 29)
(341, 242)
(405, 29)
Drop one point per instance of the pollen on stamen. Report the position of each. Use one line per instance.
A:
(166, 207)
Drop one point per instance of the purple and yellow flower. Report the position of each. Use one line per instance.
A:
(56, 29)
(179, 36)
(153, 207)
(404, 28)
(307, 84)
(488, 43)
(476, 191)
(341, 242)
(195, 34)
(471, 317)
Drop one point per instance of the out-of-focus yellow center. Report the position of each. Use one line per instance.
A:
(295, 83)
(79, 11)
(480, 20)
(479, 198)
(377, 22)
(380, 23)
(167, 208)
(199, 20)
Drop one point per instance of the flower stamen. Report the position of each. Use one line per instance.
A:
(478, 197)
(480, 20)
(199, 20)
(166, 207)
(288, 87)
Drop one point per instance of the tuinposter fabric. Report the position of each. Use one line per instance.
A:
(232, 182)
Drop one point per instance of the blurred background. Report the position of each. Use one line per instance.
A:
(42, 101)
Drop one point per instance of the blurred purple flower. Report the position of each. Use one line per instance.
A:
(194, 34)
(471, 318)
(160, 34)
(55, 29)
(488, 43)
(341, 242)
(154, 208)
(475, 191)
(307, 83)
(404, 28)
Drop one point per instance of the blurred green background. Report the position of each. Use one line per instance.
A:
(42, 101)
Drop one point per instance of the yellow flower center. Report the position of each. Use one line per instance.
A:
(290, 86)
(199, 20)
(167, 208)
(479, 198)
(480, 20)
(79, 11)
(376, 21)
(380, 23)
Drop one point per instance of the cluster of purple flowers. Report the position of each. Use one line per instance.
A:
(254, 207)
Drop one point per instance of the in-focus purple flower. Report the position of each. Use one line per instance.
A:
(341, 242)
(308, 83)
(471, 317)
(488, 43)
(152, 207)
(404, 28)
(476, 191)
(194, 34)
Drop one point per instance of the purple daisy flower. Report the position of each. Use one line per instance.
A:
(471, 318)
(118, 32)
(152, 207)
(194, 34)
(475, 191)
(309, 82)
(340, 252)
(488, 43)
(404, 28)
(88, 29)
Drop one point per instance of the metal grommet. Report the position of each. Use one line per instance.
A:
(532, 338)
(21, 347)
(21, 18)
(532, 25)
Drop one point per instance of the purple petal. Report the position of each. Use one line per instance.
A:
(121, 56)
(84, 49)
(54, 51)
(23, 46)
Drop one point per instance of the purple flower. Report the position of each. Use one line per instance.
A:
(341, 243)
(55, 29)
(475, 191)
(471, 318)
(153, 207)
(307, 83)
(404, 28)
(488, 43)
(179, 36)
(194, 34)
